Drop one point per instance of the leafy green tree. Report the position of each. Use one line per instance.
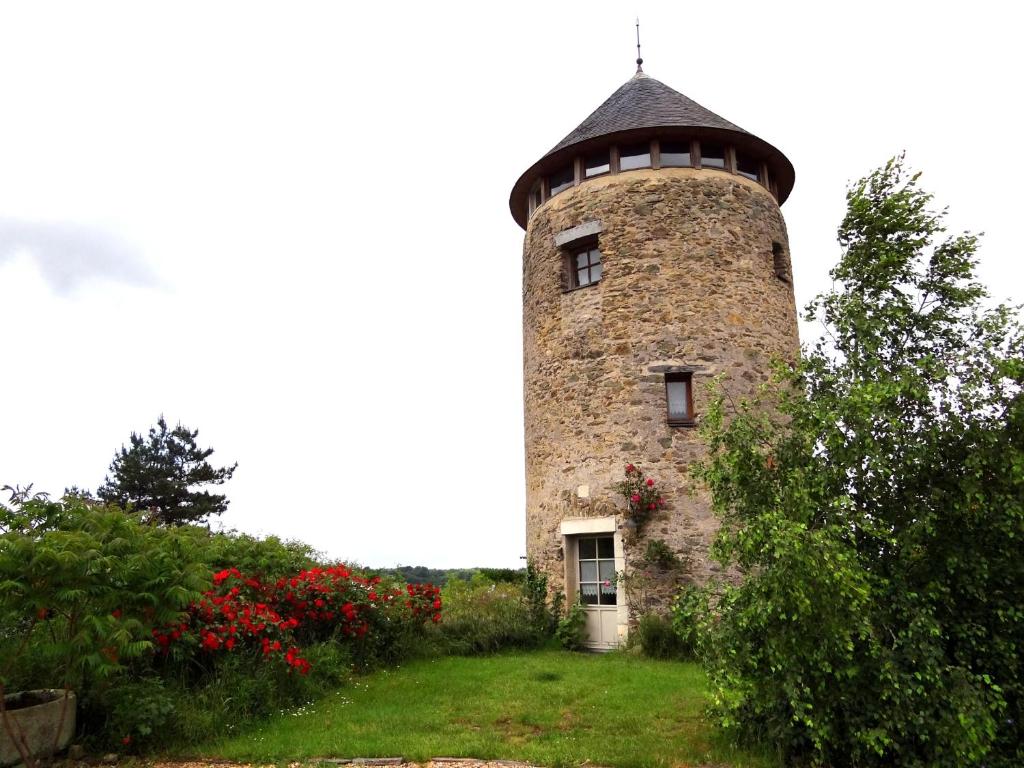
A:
(873, 503)
(158, 476)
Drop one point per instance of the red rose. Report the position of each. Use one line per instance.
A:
(126, 740)
(630, 469)
(650, 482)
(635, 498)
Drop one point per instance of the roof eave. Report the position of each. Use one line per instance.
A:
(779, 166)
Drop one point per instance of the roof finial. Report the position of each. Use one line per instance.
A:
(639, 60)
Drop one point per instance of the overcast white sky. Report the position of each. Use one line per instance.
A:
(287, 225)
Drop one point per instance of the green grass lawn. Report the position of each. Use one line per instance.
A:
(547, 707)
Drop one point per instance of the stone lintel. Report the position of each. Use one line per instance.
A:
(676, 368)
(588, 525)
(569, 237)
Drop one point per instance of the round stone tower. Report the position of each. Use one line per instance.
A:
(655, 261)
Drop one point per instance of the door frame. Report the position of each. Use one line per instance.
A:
(571, 531)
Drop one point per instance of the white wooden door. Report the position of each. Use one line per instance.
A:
(598, 589)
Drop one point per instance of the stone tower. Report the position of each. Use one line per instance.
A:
(655, 260)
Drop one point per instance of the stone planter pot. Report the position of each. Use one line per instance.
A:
(37, 715)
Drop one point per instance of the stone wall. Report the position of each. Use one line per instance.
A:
(689, 279)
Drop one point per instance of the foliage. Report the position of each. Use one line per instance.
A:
(80, 588)
(875, 507)
(420, 574)
(571, 631)
(157, 474)
(535, 588)
(659, 640)
(158, 646)
(269, 558)
(482, 616)
(85, 584)
(638, 586)
(642, 498)
(690, 616)
(659, 554)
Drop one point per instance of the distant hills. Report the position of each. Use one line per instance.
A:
(420, 574)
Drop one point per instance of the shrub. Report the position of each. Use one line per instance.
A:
(690, 617)
(82, 586)
(571, 632)
(658, 638)
(535, 587)
(267, 559)
(483, 617)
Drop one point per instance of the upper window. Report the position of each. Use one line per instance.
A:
(536, 196)
(779, 262)
(560, 180)
(635, 156)
(679, 393)
(675, 154)
(712, 155)
(597, 570)
(746, 166)
(597, 163)
(585, 266)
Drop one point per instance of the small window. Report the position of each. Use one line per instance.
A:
(597, 163)
(635, 156)
(561, 180)
(745, 166)
(597, 570)
(536, 197)
(584, 266)
(675, 154)
(779, 262)
(679, 394)
(712, 155)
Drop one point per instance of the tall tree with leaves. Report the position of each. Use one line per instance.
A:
(159, 476)
(874, 505)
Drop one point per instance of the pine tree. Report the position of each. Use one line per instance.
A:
(157, 476)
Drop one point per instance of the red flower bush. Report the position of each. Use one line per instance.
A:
(242, 613)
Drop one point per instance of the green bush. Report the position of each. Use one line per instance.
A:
(571, 631)
(658, 638)
(481, 616)
(82, 586)
(266, 559)
(690, 616)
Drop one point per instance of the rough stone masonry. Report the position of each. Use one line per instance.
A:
(689, 282)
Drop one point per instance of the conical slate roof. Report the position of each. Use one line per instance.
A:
(644, 108)
(643, 102)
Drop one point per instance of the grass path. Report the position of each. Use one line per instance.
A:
(548, 707)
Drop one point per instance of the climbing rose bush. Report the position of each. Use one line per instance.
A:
(642, 496)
